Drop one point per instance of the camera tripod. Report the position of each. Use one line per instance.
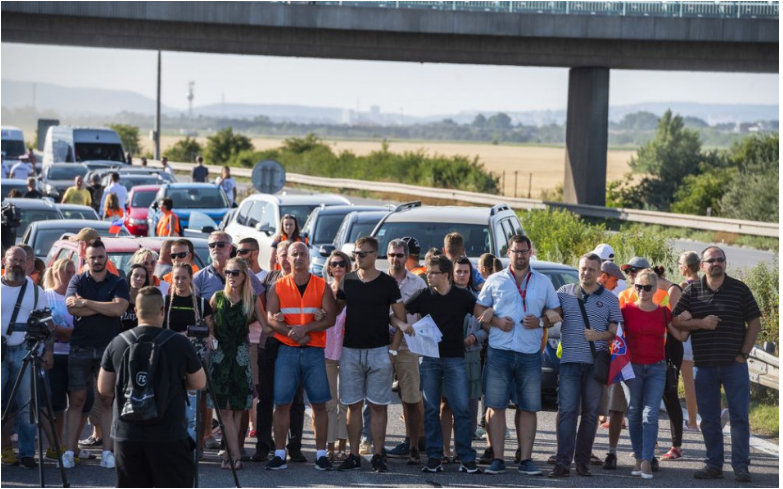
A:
(32, 360)
(201, 349)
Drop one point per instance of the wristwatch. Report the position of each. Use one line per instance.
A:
(393, 353)
(541, 323)
(745, 355)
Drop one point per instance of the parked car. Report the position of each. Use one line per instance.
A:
(76, 211)
(12, 139)
(33, 210)
(8, 184)
(259, 215)
(206, 198)
(321, 228)
(42, 235)
(134, 170)
(354, 226)
(58, 177)
(119, 251)
(139, 200)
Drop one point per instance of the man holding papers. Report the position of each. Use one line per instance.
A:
(447, 307)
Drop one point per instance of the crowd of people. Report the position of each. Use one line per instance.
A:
(279, 337)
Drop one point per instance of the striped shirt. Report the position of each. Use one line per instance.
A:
(734, 304)
(602, 308)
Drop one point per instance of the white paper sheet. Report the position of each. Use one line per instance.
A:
(426, 338)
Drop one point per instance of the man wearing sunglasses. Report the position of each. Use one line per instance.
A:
(724, 320)
(634, 266)
(211, 278)
(181, 254)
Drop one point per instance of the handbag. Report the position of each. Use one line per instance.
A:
(601, 359)
(674, 354)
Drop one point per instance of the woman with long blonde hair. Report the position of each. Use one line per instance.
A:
(235, 307)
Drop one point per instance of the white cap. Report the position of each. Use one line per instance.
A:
(604, 251)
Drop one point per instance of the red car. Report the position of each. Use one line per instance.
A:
(120, 251)
(139, 202)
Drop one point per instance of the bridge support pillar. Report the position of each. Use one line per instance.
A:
(587, 129)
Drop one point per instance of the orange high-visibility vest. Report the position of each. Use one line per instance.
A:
(300, 310)
(168, 225)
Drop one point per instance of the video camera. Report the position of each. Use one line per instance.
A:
(10, 219)
(38, 327)
(198, 331)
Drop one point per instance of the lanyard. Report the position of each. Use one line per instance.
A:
(522, 293)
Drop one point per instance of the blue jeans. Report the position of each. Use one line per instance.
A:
(736, 383)
(646, 394)
(576, 386)
(12, 364)
(450, 374)
(190, 414)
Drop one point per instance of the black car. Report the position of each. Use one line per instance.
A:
(43, 234)
(33, 210)
(354, 226)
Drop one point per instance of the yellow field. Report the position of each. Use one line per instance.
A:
(547, 165)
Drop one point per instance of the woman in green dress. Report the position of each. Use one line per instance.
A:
(235, 307)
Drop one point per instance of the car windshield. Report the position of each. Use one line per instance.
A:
(65, 172)
(129, 183)
(143, 199)
(301, 212)
(358, 230)
(45, 238)
(7, 187)
(326, 228)
(430, 235)
(35, 215)
(197, 198)
(87, 214)
(13, 148)
(559, 277)
(99, 151)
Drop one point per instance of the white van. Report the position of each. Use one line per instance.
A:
(13, 146)
(67, 144)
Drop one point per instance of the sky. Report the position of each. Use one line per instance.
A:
(410, 88)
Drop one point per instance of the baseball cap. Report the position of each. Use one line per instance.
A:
(413, 245)
(604, 251)
(612, 270)
(636, 262)
(86, 234)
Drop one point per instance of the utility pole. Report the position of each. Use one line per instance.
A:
(157, 116)
(191, 84)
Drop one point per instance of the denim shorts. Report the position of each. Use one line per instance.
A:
(512, 375)
(84, 363)
(304, 366)
(366, 374)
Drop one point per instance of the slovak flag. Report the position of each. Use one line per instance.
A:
(620, 367)
(116, 226)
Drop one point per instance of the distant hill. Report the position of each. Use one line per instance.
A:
(106, 102)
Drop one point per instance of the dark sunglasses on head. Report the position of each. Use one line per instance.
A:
(244, 251)
(640, 287)
(715, 260)
(362, 254)
(183, 254)
(395, 255)
(219, 244)
(234, 273)
(337, 264)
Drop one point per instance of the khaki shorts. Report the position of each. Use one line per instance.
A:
(614, 399)
(406, 366)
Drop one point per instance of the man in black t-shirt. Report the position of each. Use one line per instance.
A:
(447, 306)
(159, 454)
(366, 371)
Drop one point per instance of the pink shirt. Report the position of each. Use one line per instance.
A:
(334, 338)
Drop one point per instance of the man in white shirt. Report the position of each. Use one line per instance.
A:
(166, 168)
(115, 188)
(22, 169)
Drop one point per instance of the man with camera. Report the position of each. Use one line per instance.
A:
(20, 297)
(96, 299)
(158, 454)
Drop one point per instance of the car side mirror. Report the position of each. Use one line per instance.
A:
(265, 228)
(208, 230)
(154, 206)
(326, 250)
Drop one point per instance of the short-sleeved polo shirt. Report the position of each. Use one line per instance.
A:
(602, 308)
(98, 330)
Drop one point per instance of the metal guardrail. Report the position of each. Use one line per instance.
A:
(769, 229)
(764, 368)
(722, 10)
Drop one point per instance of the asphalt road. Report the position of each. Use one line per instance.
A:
(672, 474)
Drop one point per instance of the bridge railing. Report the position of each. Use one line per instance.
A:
(747, 10)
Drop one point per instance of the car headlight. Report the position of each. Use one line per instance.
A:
(137, 222)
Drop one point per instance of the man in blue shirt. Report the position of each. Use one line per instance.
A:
(524, 303)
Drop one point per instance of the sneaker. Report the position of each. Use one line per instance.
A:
(28, 463)
(68, 460)
(107, 459)
(469, 468)
(433, 465)
(8, 457)
(414, 458)
(479, 434)
(276, 463)
(403, 450)
(487, 457)
(527, 467)
(559, 471)
(297, 457)
(498, 466)
(323, 463)
(51, 453)
(91, 442)
(365, 448)
(610, 462)
(655, 465)
(211, 443)
(351, 463)
(378, 465)
(686, 427)
(740, 475)
(708, 472)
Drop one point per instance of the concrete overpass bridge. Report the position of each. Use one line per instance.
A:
(590, 38)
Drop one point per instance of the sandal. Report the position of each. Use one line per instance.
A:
(595, 460)
(340, 456)
(224, 465)
(673, 454)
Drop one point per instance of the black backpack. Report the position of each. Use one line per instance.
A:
(143, 373)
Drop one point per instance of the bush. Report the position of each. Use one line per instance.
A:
(129, 136)
(763, 280)
(224, 146)
(184, 150)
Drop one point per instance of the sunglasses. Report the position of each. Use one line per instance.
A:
(244, 251)
(715, 260)
(362, 254)
(218, 244)
(337, 264)
(183, 254)
(395, 255)
(640, 287)
(233, 273)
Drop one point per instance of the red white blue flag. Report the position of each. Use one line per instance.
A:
(116, 226)
(620, 367)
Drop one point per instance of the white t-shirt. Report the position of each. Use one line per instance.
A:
(228, 185)
(8, 296)
(61, 318)
(169, 170)
(164, 288)
(21, 170)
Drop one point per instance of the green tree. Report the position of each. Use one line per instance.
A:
(225, 145)
(754, 193)
(702, 191)
(480, 121)
(129, 136)
(499, 121)
(184, 150)
(639, 121)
